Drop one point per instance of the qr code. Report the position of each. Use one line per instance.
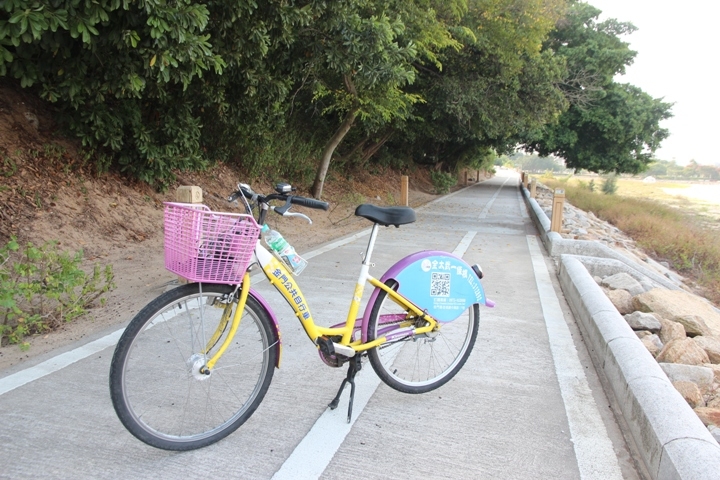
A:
(440, 285)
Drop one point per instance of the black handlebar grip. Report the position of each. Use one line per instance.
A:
(310, 203)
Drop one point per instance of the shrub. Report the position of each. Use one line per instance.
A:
(442, 181)
(609, 186)
(40, 287)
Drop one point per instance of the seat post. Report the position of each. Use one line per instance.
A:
(371, 245)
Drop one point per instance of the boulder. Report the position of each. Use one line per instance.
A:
(703, 376)
(694, 325)
(711, 345)
(684, 351)
(715, 432)
(623, 281)
(709, 415)
(670, 330)
(652, 343)
(647, 285)
(691, 393)
(695, 313)
(622, 300)
(643, 321)
(715, 369)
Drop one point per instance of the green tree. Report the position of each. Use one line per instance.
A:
(359, 60)
(484, 94)
(609, 127)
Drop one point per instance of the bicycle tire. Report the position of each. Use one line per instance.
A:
(424, 362)
(156, 387)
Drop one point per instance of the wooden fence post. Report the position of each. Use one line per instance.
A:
(557, 210)
(404, 191)
(188, 194)
(533, 187)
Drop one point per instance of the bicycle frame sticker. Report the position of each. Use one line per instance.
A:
(440, 282)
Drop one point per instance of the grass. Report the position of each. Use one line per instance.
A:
(679, 236)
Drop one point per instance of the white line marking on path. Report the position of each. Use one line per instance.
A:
(485, 210)
(464, 244)
(315, 451)
(593, 449)
(11, 382)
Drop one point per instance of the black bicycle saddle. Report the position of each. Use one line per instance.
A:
(386, 216)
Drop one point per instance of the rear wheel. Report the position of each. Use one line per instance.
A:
(423, 362)
(157, 385)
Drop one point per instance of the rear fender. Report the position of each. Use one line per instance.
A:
(439, 282)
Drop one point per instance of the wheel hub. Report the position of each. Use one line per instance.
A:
(196, 366)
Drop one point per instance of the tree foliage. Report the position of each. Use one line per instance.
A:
(609, 126)
(291, 88)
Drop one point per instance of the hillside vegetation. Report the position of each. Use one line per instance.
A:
(300, 88)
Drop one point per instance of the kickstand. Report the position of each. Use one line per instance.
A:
(354, 367)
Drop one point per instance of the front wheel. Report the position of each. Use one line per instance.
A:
(157, 384)
(424, 362)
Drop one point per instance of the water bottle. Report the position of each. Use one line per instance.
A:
(286, 252)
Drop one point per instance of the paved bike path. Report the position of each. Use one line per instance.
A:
(526, 404)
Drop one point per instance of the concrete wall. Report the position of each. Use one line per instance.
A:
(673, 442)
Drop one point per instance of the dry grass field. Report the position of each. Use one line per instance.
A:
(675, 222)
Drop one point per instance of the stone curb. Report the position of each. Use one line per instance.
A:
(671, 439)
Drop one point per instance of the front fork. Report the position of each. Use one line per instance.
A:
(244, 290)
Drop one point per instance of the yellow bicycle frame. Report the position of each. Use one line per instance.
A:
(285, 283)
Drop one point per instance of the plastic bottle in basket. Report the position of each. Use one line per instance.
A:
(286, 252)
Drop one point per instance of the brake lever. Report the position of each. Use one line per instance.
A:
(282, 211)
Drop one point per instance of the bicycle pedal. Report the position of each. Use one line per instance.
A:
(344, 350)
(329, 348)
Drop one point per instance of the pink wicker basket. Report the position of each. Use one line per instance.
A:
(206, 246)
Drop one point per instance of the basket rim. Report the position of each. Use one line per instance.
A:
(204, 209)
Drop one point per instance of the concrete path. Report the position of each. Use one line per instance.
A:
(527, 404)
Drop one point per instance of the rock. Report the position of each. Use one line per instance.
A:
(652, 343)
(647, 285)
(579, 232)
(691, 393)
(643, 333)
(32, 120)
(598, 280)
(670, 330)
(695, 313)
(684, 351)
(709, 415)
(711, 345)
(643, 321)
(713, 401)
(622, 300)
(715, 369)
(715, 432)
(703, 376)
(623, 281)
(694, 325)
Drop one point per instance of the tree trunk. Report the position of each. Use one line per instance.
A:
(329, 150)
(375, 147)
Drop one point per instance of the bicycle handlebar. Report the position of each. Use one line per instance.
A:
(248, 193)
(309, 202)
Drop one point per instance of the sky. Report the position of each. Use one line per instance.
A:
(678, 59)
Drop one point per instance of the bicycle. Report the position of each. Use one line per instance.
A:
(194, 364)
